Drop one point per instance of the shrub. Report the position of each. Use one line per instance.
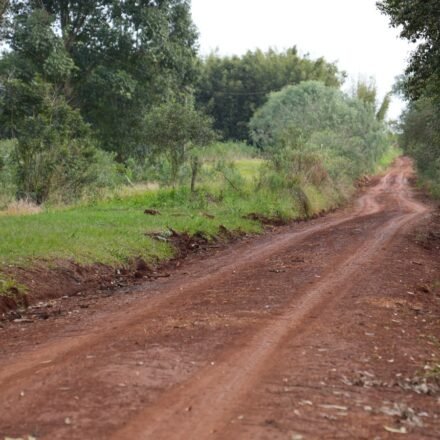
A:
(321, 124)
(55, 152)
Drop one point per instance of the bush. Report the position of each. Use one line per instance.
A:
(421, 138)
(176, 130)
(55, 155)
(322, 125)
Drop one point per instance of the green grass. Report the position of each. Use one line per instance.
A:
(9, 288)
(249, 168)
(388, 158)
(115, 230)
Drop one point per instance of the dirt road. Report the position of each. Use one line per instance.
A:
(325, 329)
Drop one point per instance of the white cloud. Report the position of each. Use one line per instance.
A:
(351, 32)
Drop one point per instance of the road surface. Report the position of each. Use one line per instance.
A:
(307, 332)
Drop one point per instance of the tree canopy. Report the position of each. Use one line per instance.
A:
(419, 22)
(232, 88)
(113, 60)
(314, 117)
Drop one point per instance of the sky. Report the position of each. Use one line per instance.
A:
(352, 33)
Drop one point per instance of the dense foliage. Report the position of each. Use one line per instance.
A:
(315, 124)
(96, 93)
(111, 60)
(80, 77)
(420, 138)
(177, 130)
(232, 88)
(419, 22)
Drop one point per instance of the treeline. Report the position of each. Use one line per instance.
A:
(419, 22)
(78, 79)
(94, 94)
(232, 88)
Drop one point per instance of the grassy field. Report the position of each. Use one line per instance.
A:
(388, 158)
(115, 230)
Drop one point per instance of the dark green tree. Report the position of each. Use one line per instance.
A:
(177, 130)
(233, 88)
(419, 22)
(55, 151)
(122, 57)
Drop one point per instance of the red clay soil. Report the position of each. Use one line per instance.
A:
(326, 329)
(41, 282)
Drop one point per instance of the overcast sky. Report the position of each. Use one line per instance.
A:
(351, 32)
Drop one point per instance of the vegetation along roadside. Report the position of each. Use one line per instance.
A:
(114, 144)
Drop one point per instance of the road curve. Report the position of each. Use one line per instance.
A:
(179, 360)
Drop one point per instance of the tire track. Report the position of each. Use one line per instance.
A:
(202, 404)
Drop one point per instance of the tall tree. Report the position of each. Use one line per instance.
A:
(419, 22)
(233, 88)
(128, 55)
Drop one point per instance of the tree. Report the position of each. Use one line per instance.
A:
(382, 110)
(421, 135)
(233, 88)
(126, 56)
(55, 151)
(313, 118)
(176, 129)
(366, 92)
(419, 22)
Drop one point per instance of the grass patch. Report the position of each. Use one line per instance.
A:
(388, 158)
(115, 230)
(249, 168)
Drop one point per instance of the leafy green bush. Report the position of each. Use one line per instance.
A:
(421, 138)
(54, 157)
(321, 130)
